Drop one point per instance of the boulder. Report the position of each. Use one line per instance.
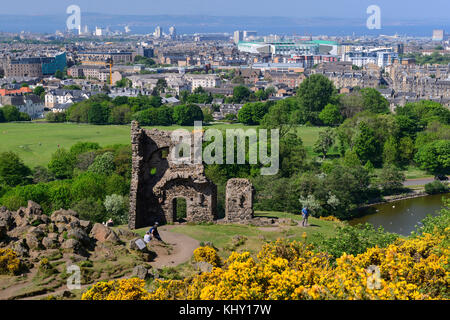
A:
(203, 266)
(51, 241)
(3, 231)
(103, 233)
(86, 225)
(6, 218)
(33, 209)
(21, 248)
(32, 241)
(74, 224)
(20, 218)
(67, 214)
(38, 232)
(80, 235)
(140, 272)
(72, 246)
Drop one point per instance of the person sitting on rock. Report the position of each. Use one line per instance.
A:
(147, 237)
(110, 223)
(154, 231)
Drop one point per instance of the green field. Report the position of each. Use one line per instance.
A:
(36, 141)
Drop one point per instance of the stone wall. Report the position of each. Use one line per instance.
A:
(157, 182)
(239, 200)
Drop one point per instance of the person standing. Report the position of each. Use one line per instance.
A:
(305, 215)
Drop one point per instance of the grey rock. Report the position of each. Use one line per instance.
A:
(32, 241)
(86, 225)
(80, 235)
(203, 266)
(141, 272)
(3, 231)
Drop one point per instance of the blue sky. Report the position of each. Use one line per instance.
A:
(391, 9)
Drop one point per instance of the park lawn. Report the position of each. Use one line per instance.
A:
(221, 235)
(35, 142)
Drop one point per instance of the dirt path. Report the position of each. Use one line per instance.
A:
(14, 289)
(182, 248)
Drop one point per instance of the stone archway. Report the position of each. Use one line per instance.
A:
(156, 182)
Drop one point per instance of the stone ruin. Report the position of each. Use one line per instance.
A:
(239, 200)
(157, 183)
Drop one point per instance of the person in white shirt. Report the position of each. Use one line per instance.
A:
(147, 237)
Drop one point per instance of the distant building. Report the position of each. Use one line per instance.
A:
(53, 98)
(238, 36)
(438, 35)
(144, 52)
(36, 66)
(158, 32)
(172, 32)
(30, 104)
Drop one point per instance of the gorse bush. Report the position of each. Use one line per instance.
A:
(207, 254)
(123, 289)
(9, 262)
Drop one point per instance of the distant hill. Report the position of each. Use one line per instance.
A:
(207, 24)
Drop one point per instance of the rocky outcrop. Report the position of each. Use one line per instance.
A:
(103, 233)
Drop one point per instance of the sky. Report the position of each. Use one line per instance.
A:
(390, 9)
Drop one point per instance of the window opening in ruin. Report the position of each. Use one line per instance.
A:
(180, 209)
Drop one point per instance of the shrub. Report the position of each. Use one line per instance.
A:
(90, 209)
(436, 187)
(116, 207)
(207, 254)
(355, 240)
(9, 263)
(103, 164)
(123, 289)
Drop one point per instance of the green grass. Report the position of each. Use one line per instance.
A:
(36, 141)
(221, 235)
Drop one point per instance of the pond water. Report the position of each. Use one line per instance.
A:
(401, 216)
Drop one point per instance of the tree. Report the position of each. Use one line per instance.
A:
(241, 94)
(280, 116)
(13, 171)
(314, 93)
(2, 116)
(39, 90)
(390, 179)
(59, 74)
(11, 113)
(373, 101)
(120, 115)
(245, 114)
(82, 147)
(366, 145)
(434, 157)
(292, 155)
(116, 207)
(103, 164)
(98, 114)
(331, 115)
(185, 115)
(62, 164)
(324, 143)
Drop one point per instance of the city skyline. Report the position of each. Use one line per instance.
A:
(392, 10)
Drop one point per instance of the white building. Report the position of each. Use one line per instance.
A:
(61, 96)
(30, 104)
(203, 80)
